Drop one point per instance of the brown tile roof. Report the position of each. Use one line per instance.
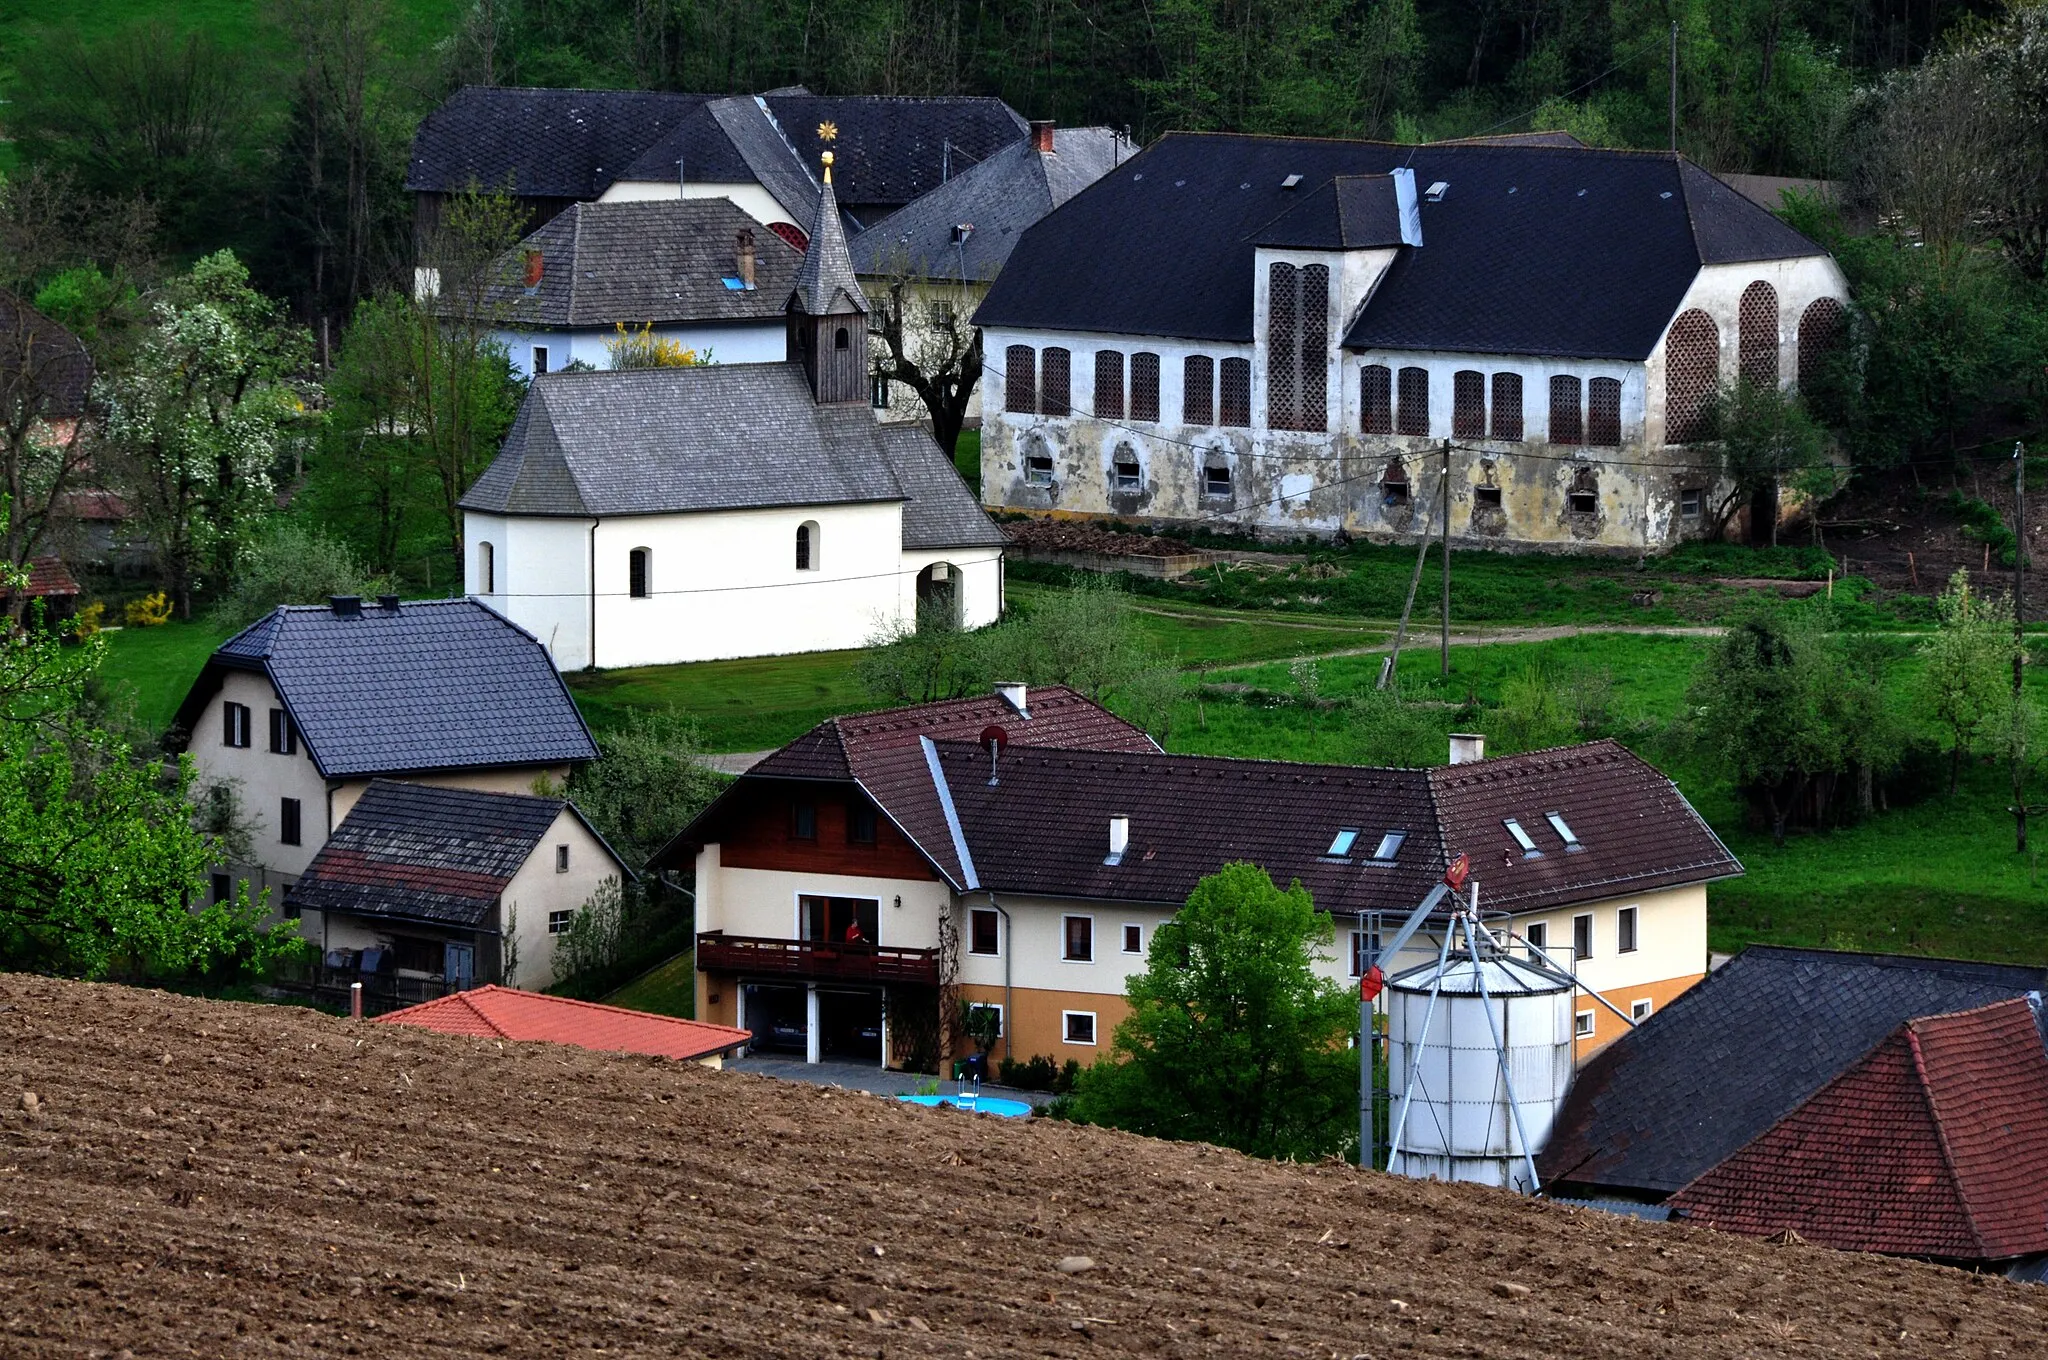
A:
(48, 576)
(504, 1013)
(1934, 1144)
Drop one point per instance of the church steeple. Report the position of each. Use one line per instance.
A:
(828, 313)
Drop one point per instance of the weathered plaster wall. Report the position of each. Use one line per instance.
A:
(750, 198)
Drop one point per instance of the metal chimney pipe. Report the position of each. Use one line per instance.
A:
(355, 1001)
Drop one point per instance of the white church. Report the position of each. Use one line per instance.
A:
(650, 516)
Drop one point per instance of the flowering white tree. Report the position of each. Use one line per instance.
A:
(199, 419)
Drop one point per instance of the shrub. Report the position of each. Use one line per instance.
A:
(88, 620)
(151, 611)
(644, 349)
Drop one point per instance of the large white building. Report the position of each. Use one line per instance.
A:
(1283, 336)
(652, 516)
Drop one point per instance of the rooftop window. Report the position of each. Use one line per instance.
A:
(1341, 846)
(1529, 850)
(1435, 193)
(1564, 831)
(1389, 846)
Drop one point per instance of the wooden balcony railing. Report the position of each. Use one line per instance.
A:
(718, 952)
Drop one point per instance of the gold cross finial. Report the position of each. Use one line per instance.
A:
(828, 132)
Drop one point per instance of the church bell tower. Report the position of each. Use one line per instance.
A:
(828, 313)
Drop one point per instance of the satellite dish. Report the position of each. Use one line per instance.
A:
(994, 735)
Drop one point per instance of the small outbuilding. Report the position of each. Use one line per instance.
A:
(503, 1013)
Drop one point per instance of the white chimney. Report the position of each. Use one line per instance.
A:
(1467, 747)
(1013, 694)
(1119, 838)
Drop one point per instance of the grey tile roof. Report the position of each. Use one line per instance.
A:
(1535, 249)
(893, 149)
(656, 260)
(558, 143)
(825, 282)
(418, 852)
(431, 685)
(773, 161)
(1349, 212)
(43, 367)
(1730, 1057)
(722, 437)
(999, 197)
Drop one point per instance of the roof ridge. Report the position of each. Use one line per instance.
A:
(552, 999)
(1924, 1084)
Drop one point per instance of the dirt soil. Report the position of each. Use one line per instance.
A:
(198, 1178)
(1898, 531)
(1052, 535)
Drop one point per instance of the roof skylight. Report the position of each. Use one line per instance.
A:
(1529, 850)
(1341, 846)
(1435, 193)
(1557, 824)
(1389, 846)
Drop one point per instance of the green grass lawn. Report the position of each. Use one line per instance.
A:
(666, 989)
(745, 705)
(151, 668)
(967, 458)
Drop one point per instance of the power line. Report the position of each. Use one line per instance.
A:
(696, 590)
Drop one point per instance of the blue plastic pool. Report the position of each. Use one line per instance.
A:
(986, 1104)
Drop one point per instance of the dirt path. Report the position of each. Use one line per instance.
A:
(203, 1179)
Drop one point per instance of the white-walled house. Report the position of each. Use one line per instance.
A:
(296, 715)
(684, 514)
(1282, 336)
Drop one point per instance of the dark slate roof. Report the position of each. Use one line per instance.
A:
(1935, 1143)
(42, 365)
(431, 685)
(1535, 249)
(1350, 212)
(562, 143)
(658, 260)
(1043, 827)
(825, 283)
(1730, 1057)
(883, 752)
(418, 852)
(776, 166)
(892, 149)
(999, 198)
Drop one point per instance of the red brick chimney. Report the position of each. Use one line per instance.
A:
(745, 256)
(1041, 135)
(534, 266)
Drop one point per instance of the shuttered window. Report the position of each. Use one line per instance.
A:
(1603, 412)
(1237, 392)
(1565, 421)
(1056, 377)
(1020, 380)
(1507, 406)
(1468, 404)
(1144, 386)
(1198, 390)
(1376, 399)
(1414, 412)
(1297, 347)
(1109, 384)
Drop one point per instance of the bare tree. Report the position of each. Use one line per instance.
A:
(925, 338)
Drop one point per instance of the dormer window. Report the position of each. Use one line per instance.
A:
(1341, 845)
(1564, 832)
(1529, 850)
(1389, 846)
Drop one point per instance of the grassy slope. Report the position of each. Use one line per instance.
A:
(666, 989)
(153, 667)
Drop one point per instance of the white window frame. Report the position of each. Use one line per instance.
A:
(1639, 1009)
(1628, 930)
(562, 859)
(1076, 916)
(972, 952)
(1002, 1022)
(1514, 828)
(235, 724)
(1094, 1031)
(1563, 830)
(1130, 926)
(1537, 933)
(560, 921)
(1587, 917)
(1389, 848)
(1583, 1023)
(646, 556)
(537, 362)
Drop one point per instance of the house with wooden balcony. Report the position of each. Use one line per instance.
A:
(1019, 851)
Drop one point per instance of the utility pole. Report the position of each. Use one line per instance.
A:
(1446, 498)
(1674, 84)
(2019, 639)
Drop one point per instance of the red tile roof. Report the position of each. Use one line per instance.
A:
(1935, 1144)
(505, 1013)
(48, 576)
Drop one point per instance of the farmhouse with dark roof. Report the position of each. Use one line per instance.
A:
(1285, 336)
(295, 715)
(643, 517)
(1027, 844)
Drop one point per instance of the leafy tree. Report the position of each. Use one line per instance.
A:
(595, 934)
(198, 421)
(1233, 1036)
(292, 564)
(1766, 440)
(937, 659)
(648, 783)
(1083, 636)
(1966, 667)
(1386, 729)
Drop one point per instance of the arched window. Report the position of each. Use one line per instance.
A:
(1376, 399)
(1413, 417)
(1584, 496)
(839, 338)
(1125, 473)
(1056, 382)
(1603, 412)
(1821, 327)
(1394, 484)
(1692, 370)
(1198, 390)
(1757, 334)
(1507, 406)
(1109, 384)
(1144, 386)
(1236, 392)
(637, 585)
(486, 569)
(807, 546)
(1566, 422)
(1297, 347)
(1020, 380)
(1468, 404)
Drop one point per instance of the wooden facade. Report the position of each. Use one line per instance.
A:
(834, 351)
(765, 832)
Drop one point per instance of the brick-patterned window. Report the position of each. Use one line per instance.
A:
(1237, 393)
(1821, 328)
(1414, 413)
(1314, 393)
(1144, 386)
(1692, 370)
(1020, 380)
(1283, 346)
(1566, 422)
(1468, 404)
(1376, 399)
(1603, 412)
(1056, 378)
(1198, 390)
(1109, 384)
(1757, 334)
(1507, 406)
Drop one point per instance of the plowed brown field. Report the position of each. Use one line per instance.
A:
(220, 1180)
